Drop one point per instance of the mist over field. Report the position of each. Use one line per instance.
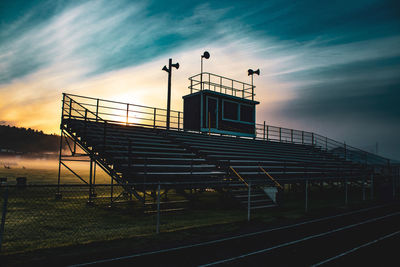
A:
(44, 170)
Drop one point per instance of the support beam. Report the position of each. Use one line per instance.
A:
(158, 209)
(346, 192)
(363, 189)
(58, 194)
(372, 186)
(306, 196)
(248, 202)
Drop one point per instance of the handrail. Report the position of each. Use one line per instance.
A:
(238, 175)
(115, 102)
(154, 117)
(236, 88)
(272, 178)
(219, 76)
(96, 116)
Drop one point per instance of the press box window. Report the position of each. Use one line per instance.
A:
(246, 113)
(231, 110)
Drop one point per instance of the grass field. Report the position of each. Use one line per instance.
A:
(36, 220)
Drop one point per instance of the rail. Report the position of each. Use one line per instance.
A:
(272, 178)
(238, 175)
(88, 108)
(217, 83)
(340, 149)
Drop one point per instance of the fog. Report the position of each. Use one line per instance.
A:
(44, 170)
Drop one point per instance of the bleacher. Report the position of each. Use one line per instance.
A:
(141, 154)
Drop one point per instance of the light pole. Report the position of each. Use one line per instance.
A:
(169, 70)
(205, 55)
(252, 72)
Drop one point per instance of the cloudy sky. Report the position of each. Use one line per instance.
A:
(332, 67)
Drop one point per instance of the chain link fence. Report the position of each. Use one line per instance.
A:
(33, 217)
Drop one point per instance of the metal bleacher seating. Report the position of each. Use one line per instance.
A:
(146, 154)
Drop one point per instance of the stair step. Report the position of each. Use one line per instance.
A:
(252, 195)
(263, 207)
(165, 210)
(257, 201)
(167, 202)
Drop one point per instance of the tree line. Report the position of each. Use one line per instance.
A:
(27, 140)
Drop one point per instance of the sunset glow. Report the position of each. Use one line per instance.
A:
(338, 80)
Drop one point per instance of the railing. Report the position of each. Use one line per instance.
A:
(342, 150)
(238, 175)
(88, 108)
(217, 83)
(272, 178)
(75, 106)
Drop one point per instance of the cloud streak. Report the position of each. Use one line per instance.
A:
(320, 64)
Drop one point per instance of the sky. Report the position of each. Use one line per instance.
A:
(331, 67)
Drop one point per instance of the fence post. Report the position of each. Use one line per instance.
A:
(363, 189)
(267, 131)
(154, 120)
(291, 135)
(248, 202)
(58, 194)
(372, 186)
(326, 143)
(346, 192)
(3, 216)
(393, 187)
(264, 132)
(97, 110)
(127, 113)
(302, 137)
(312, 138)
(179, 119)
(280, 134)
(158, 209)
(306, 196)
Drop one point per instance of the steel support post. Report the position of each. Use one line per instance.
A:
(264, 132)
(58, 194)
(158, 209)
(346, 192)
(306, 196)
(111, 191)
(363, 189)
(90, 181)
(372, 186)
(393, 187)
(154, 118)
(248, 202)
(3, 216)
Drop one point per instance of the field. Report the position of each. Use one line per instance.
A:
(36, 220)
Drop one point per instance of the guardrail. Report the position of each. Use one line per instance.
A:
(217, 83)
(285, 135)
(88, 108)
(118, 112)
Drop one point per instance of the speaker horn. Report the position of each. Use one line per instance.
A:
(206, 55)
(251, 72)
(165, 68)
(176, 65)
